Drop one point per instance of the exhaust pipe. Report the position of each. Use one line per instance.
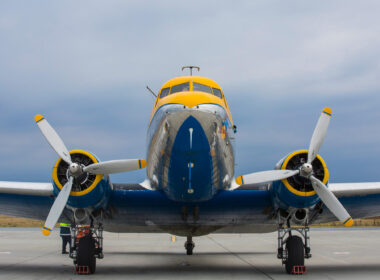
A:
(80, 214)
(299, 216)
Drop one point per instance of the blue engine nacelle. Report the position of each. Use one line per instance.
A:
(297, 191)
(89, 190)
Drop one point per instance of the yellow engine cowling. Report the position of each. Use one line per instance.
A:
(297, 191)
(88, 189)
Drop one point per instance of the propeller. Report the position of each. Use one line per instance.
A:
(75, 170)
(319, 134)
(58, 206)
(306, 171)
(53, 138)
(115, 166)
(266, 176)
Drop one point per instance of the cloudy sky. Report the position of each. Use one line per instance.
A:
(85, 64)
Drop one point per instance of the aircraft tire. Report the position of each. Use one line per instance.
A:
(86, 253)
(296, 253)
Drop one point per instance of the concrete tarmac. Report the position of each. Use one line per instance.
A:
(337, 254)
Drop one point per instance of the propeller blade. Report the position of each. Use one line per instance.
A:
(331, 202)
(115, 166)
(57, 208)
(53, 138)
(319, 134)
(265, 176)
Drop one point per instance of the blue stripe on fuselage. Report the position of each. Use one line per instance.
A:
(191, 149)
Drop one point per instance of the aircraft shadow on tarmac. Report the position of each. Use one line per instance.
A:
(183, 254)
(188, 267)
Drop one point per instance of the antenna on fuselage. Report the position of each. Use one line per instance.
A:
(151, 91)
(191, 69)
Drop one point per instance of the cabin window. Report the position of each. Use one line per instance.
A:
(180, 87)
(217, 92)
(200, 87)
(164, 92)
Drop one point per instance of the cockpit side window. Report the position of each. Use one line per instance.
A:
(180, 87)
(217, 92)
(200, 87)
(164, 92)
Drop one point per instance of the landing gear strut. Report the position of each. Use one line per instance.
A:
(292, 250)
(189, 245)
(87, 246)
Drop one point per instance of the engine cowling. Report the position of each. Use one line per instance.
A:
(297, 192)
(88, 189)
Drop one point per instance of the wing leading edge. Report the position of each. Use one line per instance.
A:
(355, 189)
(26, 188)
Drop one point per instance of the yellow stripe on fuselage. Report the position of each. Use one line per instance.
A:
(191, 99)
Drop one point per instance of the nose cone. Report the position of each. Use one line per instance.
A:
(190, 170)
(190, 154)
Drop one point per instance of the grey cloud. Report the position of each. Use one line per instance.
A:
(84, 65)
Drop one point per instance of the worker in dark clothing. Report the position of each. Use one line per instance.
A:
(65, 233)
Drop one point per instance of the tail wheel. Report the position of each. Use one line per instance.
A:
(86, 253)
(189, 248)
(296, 253)
(189, 245)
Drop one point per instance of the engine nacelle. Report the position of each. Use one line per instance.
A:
(88, 190)
(297, 192)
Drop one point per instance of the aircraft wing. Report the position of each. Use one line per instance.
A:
(130, 187)
(46, 189)
(362, 200)
(339, 189)
(26, 199)
(26, 188)
(34, 200)
(354, 189)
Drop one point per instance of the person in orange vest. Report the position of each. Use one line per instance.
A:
(65, 233)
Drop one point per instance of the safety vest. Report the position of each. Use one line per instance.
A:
(64, 230)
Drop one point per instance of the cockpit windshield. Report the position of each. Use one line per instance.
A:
(200, 87)
(164, 92)
(180, 87)
(217, 92)
(185, 87)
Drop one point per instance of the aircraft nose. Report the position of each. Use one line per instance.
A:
(190, 167)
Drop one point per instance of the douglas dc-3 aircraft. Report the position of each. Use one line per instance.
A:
(190, 188)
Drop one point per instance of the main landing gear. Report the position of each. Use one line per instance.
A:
(189, 245)
(87, 246)
(294, 249)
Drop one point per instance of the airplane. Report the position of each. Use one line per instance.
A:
(190, 188)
